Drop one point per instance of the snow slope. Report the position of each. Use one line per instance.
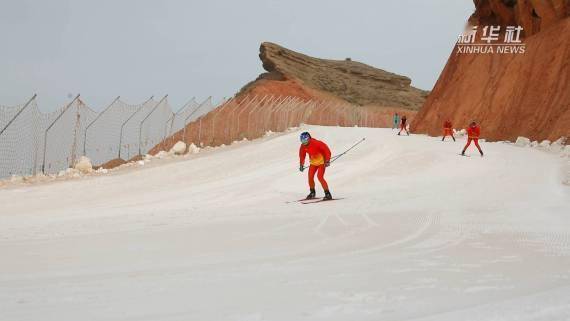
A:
(421, 234)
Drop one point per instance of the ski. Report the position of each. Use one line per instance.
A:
(319, 200)
(301, 200)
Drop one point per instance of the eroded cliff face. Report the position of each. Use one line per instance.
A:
(510, 95)
(532, 15)
(292, 73)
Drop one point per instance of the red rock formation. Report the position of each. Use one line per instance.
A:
(352, 81)
(509, 94)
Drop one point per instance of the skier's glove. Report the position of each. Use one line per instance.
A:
(301, 168)
(327, 164)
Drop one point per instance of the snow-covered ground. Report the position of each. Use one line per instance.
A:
(420, 234)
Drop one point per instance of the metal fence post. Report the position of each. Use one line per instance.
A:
(17, 114)
(126, 121)
(50, 126)
(188, 117)
(219, 111)
(257, 104)
(91, 123)
(240, 112)
(171, 121)
(147, 116)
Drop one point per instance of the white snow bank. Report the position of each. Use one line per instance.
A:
(162, 154)
(522, 142)
(102, 171)
(558, 145)
(178, 149)
(193, 149)
(565, 151)
(15, 179)
(69, 172)
(84, 165)
(544, 145)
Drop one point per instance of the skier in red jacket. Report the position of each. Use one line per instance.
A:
(403, 125)
(447, 130)
(473, 133)
(319, 158)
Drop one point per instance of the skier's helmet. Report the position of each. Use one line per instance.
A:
(305, 136)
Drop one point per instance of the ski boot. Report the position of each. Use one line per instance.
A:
(462, 153)
(328, 196)
(481, 153)
(312, 194)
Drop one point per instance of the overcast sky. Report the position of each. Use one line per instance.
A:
(135, 49)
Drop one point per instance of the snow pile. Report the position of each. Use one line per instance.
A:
(178, 149)
(522, 142)
(160, 155)
(102, 171)
(193, 149)
(462, 132)
(565, 151)
(558, 145)
(268, 133)
(16, 179)
(69, 173)
(84, 165)
(544, 145)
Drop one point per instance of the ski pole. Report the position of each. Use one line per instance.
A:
(346, 151)
(343, 153)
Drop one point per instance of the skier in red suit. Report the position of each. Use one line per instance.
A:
(319, 158)
(447, 130)
(473, 133)
(403, 125)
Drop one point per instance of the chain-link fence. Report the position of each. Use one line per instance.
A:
(252, 117)
(33, 142)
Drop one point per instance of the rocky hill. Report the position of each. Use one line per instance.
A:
(298, 89)
(296, 74)
(509, 94)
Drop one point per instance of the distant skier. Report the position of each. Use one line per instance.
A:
(396, 121)
(403, 125)
(319, 158)
(447, 130)
(473, 133)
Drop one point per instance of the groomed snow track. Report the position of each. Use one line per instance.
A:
(421, 234)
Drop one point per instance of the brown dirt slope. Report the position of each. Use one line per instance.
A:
(509, 94)
(293, 73)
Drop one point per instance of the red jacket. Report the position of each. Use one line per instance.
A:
(319, 152)
(474, 132)
(447, 124)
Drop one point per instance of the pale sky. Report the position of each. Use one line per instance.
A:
(135, 49)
